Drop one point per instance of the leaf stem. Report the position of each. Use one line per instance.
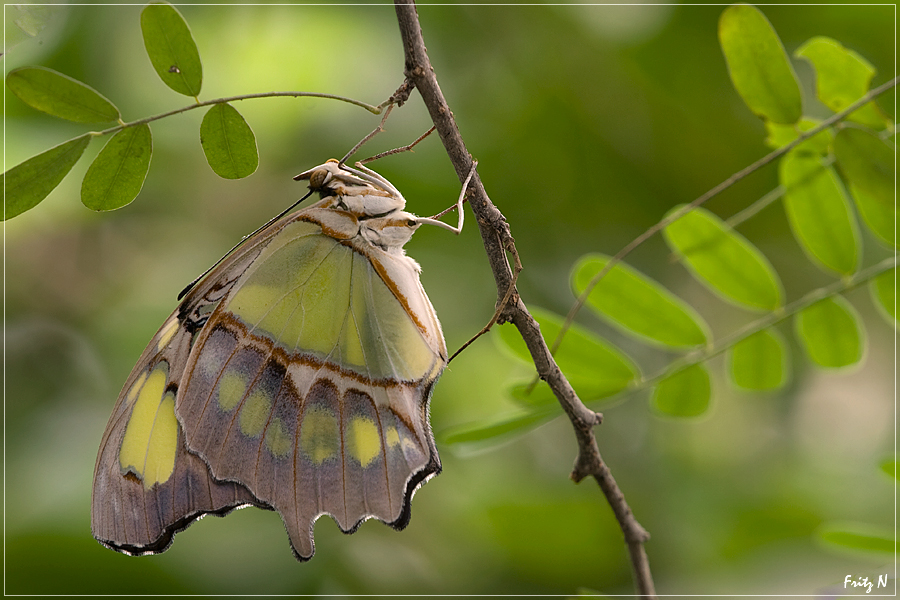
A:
(769, 320)
(375, 110)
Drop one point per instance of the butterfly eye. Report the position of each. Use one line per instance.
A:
(317, 179)
(411, 222)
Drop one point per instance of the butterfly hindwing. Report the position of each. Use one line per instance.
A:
(311, 379)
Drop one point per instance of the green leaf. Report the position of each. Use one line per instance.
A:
(819, 212)
(759, 362)
(880, 218)
(781, 135)
(884, 293)
(171, 48)
(638, 305)
(532, 396)
(685, 393)
(502, 427)
(723, 260)
(228, 142)
(61, 96)
(842, 78)
(760, 69)
(116, 176)
(889, 466)
(858, 537)
(867, 162)
(596, 368)
(25, 185)
(831, 333)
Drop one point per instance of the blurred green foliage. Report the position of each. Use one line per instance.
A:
(589, 123)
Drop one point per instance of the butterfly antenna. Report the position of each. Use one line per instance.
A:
(458, 206)
(191, 285)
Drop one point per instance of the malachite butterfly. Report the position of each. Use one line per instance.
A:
(294, 376)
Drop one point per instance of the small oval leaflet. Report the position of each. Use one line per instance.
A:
(491, 431)
(171, 48)
(867, 162)
(117, 175)
(228, 142)
(596, 368)
(685, 393)
(819, 212)
(639, 305)
(881, 219)
(842, 78)
(884, 294)
(831, 333)
(758, 65)
(61, 96)
(724, 261)
(858, 537)
(27, 184)
(759, 362)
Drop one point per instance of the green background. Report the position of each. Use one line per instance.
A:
(589, 124)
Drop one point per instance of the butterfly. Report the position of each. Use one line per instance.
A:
(294, 376)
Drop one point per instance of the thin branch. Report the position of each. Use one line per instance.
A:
(768, 158)
(769, 320)
(495, 235)
(376, 110)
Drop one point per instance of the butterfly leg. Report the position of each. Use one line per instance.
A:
(501, 305)
(458, 206)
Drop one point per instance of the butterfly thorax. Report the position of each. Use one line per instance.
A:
(389, 233)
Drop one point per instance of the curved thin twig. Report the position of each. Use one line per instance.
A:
(497, 241)
(376, 110)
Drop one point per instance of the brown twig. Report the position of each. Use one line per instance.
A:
(497, 240)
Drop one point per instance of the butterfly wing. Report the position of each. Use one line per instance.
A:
(310, 381)
(147, 486)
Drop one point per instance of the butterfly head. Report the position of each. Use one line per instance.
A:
(360, 190)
